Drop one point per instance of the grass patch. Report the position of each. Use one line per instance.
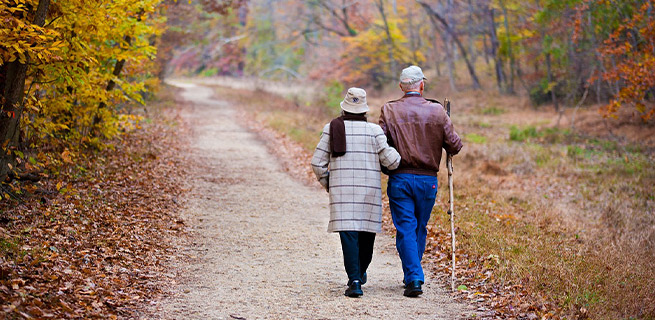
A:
(601, 265)
(520, 135)
(9, 248)
(551, 262)
(482, 124)
(475, 138)
(493, 111)
(546, 135)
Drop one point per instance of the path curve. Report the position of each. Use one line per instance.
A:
(261, 242)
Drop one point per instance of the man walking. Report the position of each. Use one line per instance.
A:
(418, 128)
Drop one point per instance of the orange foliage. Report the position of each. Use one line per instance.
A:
(629, 53)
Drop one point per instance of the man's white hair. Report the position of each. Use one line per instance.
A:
(411, 86)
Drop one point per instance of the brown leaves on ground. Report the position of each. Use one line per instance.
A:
(95, 250)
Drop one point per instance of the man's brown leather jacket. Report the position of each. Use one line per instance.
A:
(418, 129)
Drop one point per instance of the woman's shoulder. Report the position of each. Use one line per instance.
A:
(375, 127)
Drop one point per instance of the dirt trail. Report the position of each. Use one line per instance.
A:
(260, 240)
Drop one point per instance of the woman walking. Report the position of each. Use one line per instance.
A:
(347, 163)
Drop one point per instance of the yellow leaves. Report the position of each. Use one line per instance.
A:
(368, 53)
(71, 61)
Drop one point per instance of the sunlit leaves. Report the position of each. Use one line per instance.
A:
(21, 40)
(72, 60)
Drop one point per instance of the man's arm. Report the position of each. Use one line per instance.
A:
(383, 121)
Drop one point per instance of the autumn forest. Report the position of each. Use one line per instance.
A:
(554, 100)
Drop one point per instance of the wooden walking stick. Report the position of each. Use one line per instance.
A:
(451, 211)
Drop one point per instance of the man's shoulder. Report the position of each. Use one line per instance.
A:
(391, 102)
(433, 100)
(403, 98)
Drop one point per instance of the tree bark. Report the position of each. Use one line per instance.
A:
(13, 89)
(450, 54)
(471, 34)
(494, 51)
(437, 17)
(485, 48)
(550, 80)
(392, 61)
(111, 84)
(343, 18)
(510, 88)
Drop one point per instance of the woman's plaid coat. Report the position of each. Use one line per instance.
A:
(353, 180)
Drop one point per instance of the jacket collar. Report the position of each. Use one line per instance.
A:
(412, 94)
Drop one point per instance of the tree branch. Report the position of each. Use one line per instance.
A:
(436, 16)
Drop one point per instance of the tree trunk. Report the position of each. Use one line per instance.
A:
(510, 88)
(471, 34)
(111, 84)
(12, 88)
(494, 51)
(437, 52)
(437, 17)
(450, 64)
(450, 50)
(485, 48)
(392, 61)
(414, 39)
(346, 24)
(550, 80)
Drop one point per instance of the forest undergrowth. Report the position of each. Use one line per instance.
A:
(552, 222)
(92, 244)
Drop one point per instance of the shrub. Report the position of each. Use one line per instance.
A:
(517, 134)
(493, 110)
(475, 138)
(331, 96)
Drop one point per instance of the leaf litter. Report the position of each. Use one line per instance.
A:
(92, 241)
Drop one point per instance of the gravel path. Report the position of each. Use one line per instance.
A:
(260, 240)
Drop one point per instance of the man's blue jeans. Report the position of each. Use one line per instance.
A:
(411, 198)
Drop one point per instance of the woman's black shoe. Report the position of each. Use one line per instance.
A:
(354, 289)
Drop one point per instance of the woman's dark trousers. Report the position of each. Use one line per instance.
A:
(357, 249)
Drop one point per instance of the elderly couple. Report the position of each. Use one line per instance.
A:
(348, 160)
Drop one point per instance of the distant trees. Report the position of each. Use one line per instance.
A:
(555, 51)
